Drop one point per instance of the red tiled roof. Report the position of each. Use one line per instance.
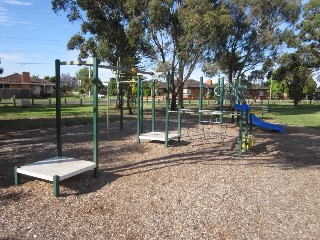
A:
(16, 78)
(190, 83)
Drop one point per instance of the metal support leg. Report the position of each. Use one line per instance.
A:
(16, 176)
(56, 183)
(96, 172)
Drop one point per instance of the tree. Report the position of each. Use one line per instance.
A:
(309, 35)
(278, 88)
(175, 32)
(68, 83)
(295, 75)
(50, 79)
(257, 30)
(1, 68)
(83, 76)
(310, 88)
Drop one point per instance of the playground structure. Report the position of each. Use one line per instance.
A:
(59, 168)
(155, 135)
(245, 118)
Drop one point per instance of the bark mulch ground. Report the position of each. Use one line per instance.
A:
(195, 189)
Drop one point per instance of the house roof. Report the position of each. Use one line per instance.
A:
(16, 78)
(190, 83)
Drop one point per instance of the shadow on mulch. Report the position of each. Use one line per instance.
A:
(86, 183)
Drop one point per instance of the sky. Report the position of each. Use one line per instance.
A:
(33, 36)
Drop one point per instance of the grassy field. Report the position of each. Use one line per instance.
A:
(12, 118)
(302, 115)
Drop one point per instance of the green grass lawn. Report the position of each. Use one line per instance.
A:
(44, 116)
(302, 115)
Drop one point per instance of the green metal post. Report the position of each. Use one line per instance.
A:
(167, 112)
(201, 99)
(179, 122)
(58, 108)
(95, 114)
(246, 130)
(234, 93)
(121, 106)
(240, 134)
(56, 183)
(221, 98)
(16, 176)
(141, 113)
(250, 122)
(153, 104)
(138, 110)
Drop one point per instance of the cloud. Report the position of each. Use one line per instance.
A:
(5, 18)
(17, 3)
(11, 57)
(9, 19)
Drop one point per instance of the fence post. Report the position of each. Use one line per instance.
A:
(32, 102)
(49, 102)
(65, 102)
(14, 102)
(81, 102)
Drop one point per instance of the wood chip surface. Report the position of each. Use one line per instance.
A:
(197, 188)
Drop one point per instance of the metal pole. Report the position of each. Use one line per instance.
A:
(246, 130)
(95, 115)
(153, 104)
(240, 134)
(108, 130)
(141, 94)
(121, 106)
(58, 108)
(138, 110)
(200, 99)
(221, 97)
(167, 112)
(271, 87)
(179, 122)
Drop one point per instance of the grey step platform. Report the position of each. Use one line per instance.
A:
(54, 169)
(158, 136)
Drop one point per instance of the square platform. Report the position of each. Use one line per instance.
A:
(158, 136)
(64, 167)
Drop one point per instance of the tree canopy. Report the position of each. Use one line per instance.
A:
(172, 33)
(1, 68)
(296, 76)
(309, 35)
(257, 30)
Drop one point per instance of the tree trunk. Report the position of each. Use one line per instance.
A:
(174, 102)
(129, 100)
(172, 88)
(180, 93)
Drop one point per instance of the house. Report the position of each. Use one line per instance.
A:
(22, 86)
(191, 89)
(259, 93)
(317, 93)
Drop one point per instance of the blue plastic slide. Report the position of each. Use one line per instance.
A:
(258, 122)
(270, 126)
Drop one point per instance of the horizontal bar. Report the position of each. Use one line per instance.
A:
(90, 63)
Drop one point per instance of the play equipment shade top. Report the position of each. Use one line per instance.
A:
(64, 167)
